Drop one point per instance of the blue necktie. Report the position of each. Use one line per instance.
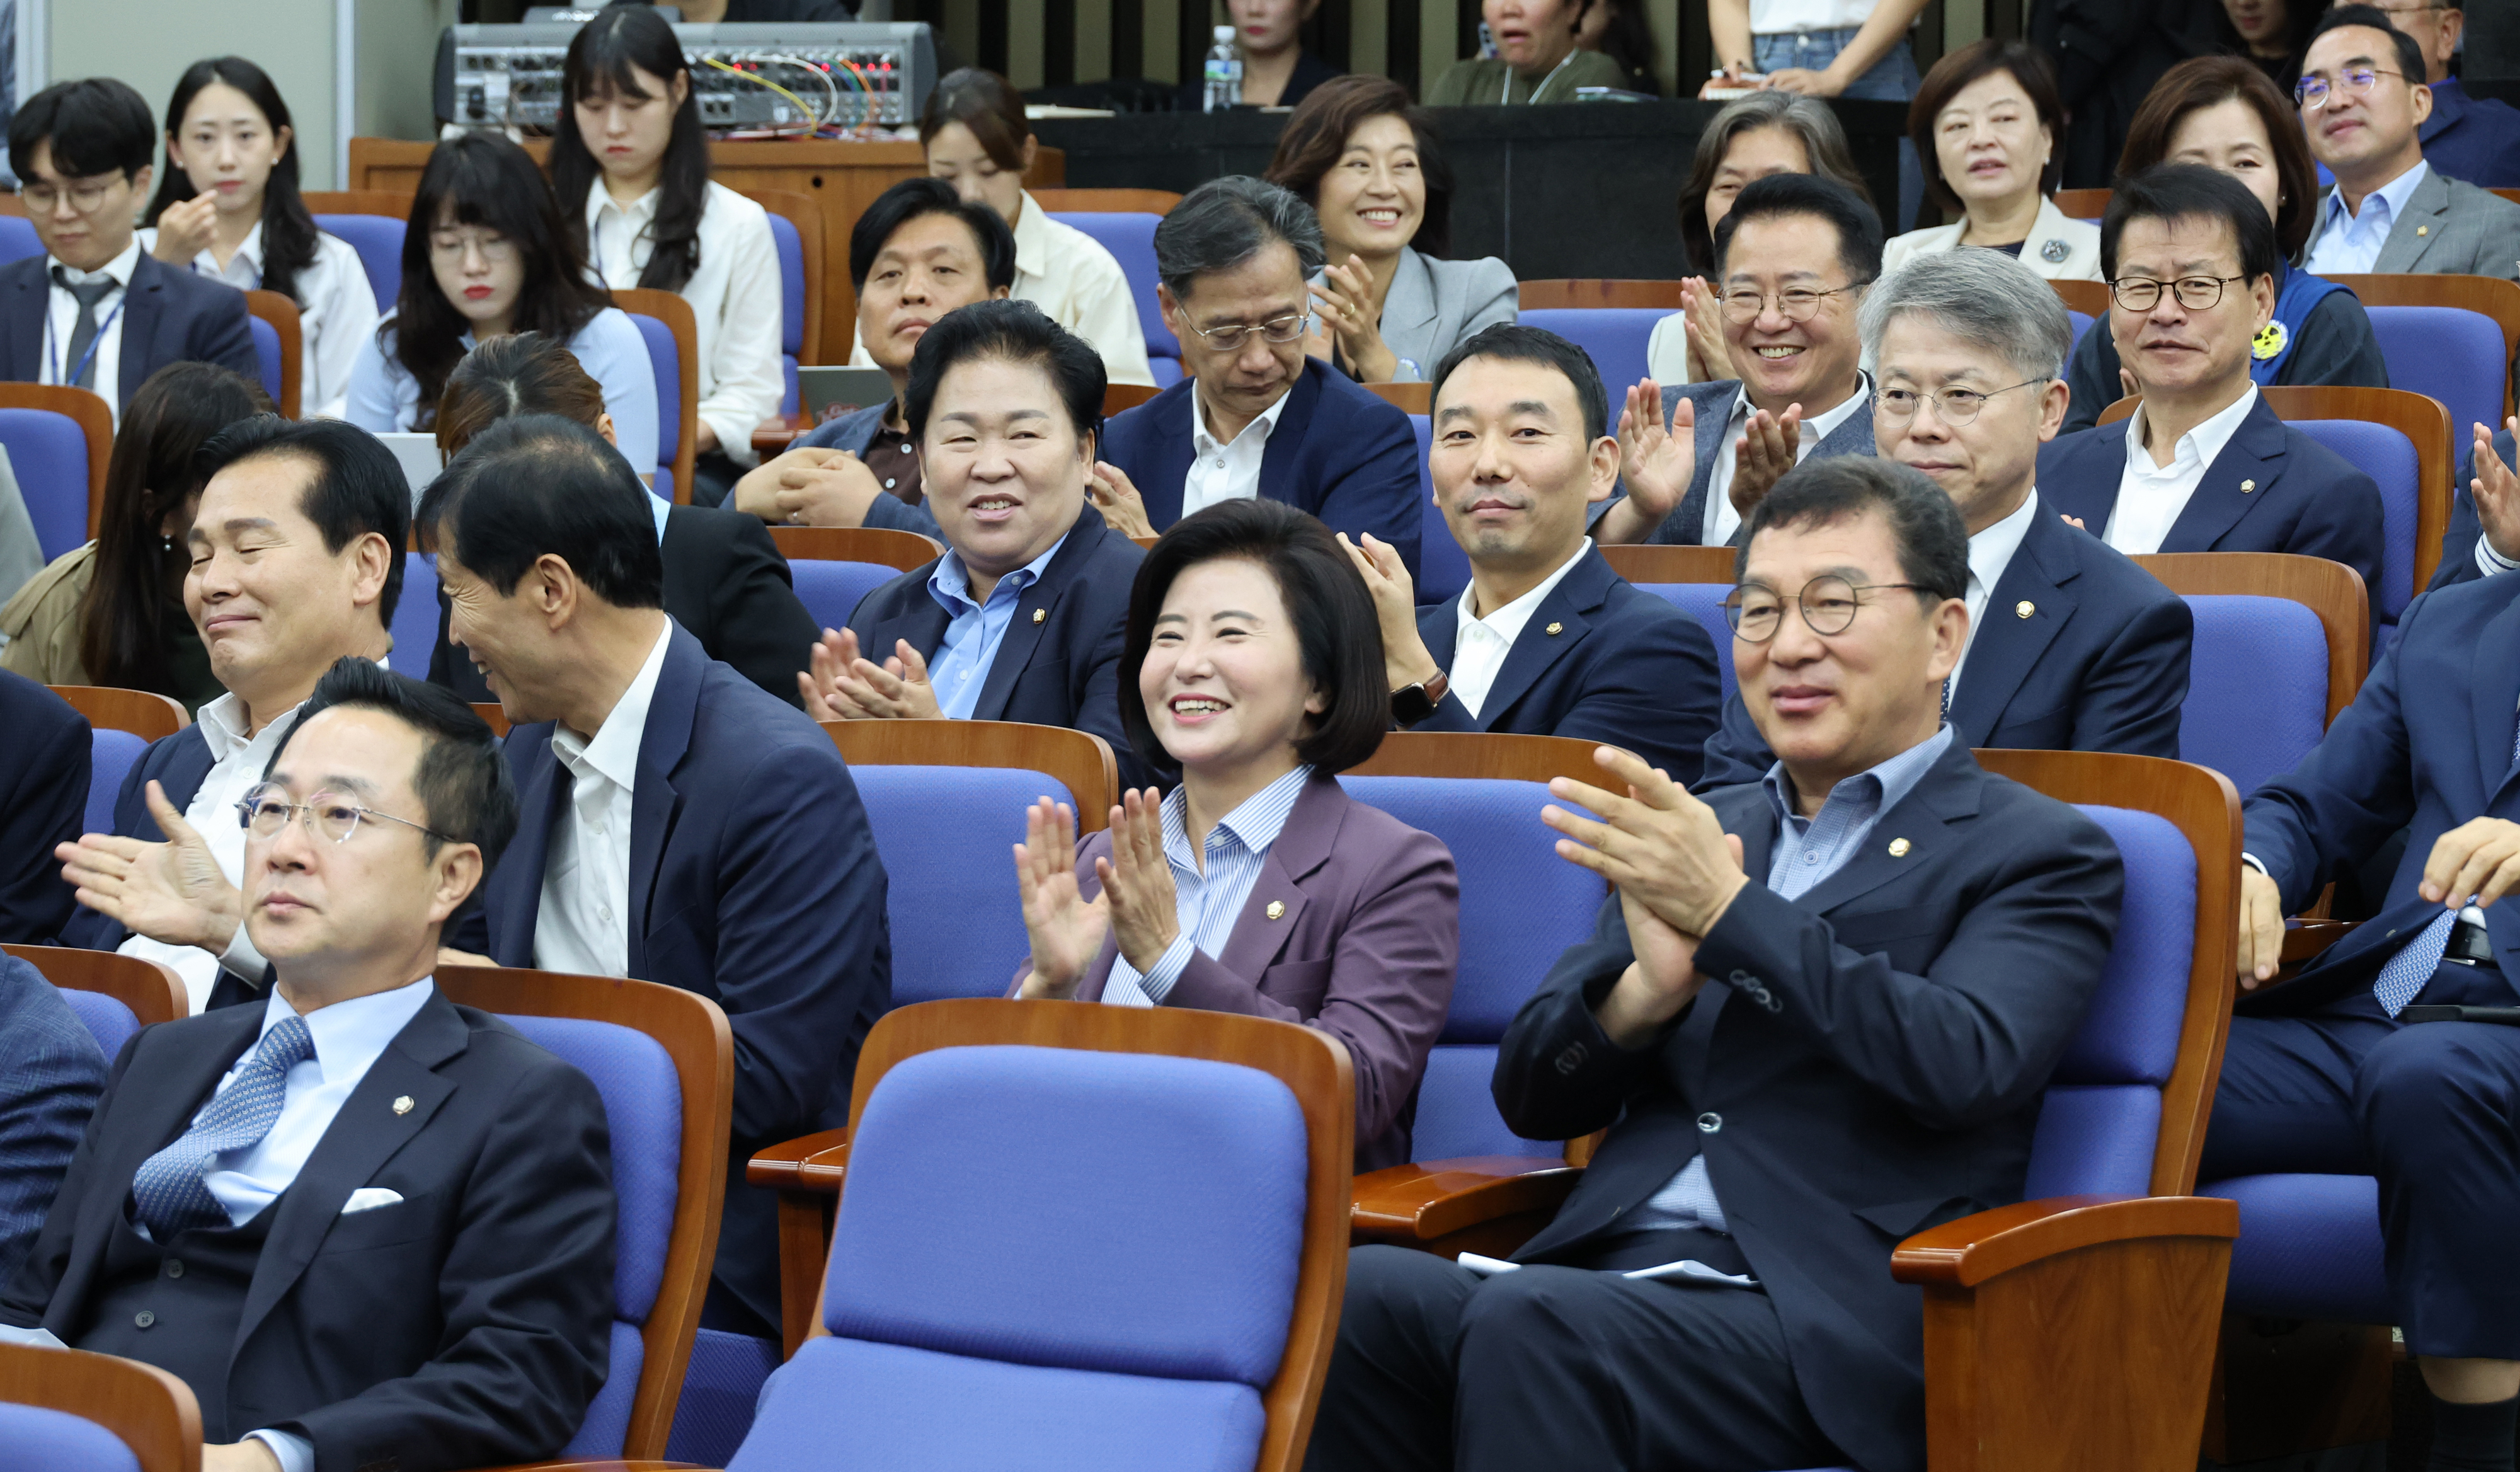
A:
(2412, 969)
(168, 1190)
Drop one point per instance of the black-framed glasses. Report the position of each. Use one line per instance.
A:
(266, 809)
(1829, 606)
(1231, 337)
(1954, 406)
(2311, 92)
(1798, 305)
(2141, 293)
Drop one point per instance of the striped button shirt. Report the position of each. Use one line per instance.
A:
(1206, 904)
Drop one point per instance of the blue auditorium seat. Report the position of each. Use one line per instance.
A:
(960, 869)
(665, 361)
(377, 238)
(1131, 240)
(2388, 457)
(2450, 354)
(791, 303)
(1614, 337)
(1443, 568)
(1704, 601)
(48, 452)
(831, 590)
(2257, 687)
(105, 1018)
(414, 620)
(111, 756)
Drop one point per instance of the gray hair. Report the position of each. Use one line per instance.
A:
(1225, 222)
(1984, 298)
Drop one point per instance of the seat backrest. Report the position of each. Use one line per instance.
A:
(665, 361)
(958, 868)
(1443, 568)
(18, 239)
(140, 992)
(48, 452)
(105, 1018)
(266, 354)
(2081, 322)
(111, 754)
(1130, 237)
(1704, 601)
(2389, 458)
(1615, 336)
(791, 305)
(2453, 355)
(69, 1410)
(38, 1437)
(1521, 907)
(2257, 687)
(377, 238)
(415, 619)
(831, 590)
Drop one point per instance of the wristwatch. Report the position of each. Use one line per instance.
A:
(1411, 703)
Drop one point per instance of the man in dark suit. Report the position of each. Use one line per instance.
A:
(45, 765)
(678, 825)
(1546, 640)
(2204, 465)
(2325, 1073)
(51, 1073)
(1816, 1016)
(297, 560)
(1797, 253)
(2071, 647)
(1022, 617)
(367, 1226)
(2471, 138)
(1257, 416)
(96, 312)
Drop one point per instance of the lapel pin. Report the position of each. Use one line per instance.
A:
(2024, 609)
(1040, 614)
(2054, 251)
(402, 1105)
(2422, 230)
(1554, 628)
(1276, 910)
(1898, 847)
(2248, 485)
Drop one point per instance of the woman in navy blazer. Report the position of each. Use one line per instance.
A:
(1257, 885)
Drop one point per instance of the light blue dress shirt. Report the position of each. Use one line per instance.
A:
(2351, 243)
(385, 400)
(962, 663)
(1206, 904)
(1807, 851)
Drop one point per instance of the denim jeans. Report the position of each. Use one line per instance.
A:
(1893, 79)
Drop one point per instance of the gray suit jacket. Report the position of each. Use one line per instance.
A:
(2450, 227)
(1687, 525)
(1434, 306)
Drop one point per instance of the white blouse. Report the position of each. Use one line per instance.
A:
(336, 311)
(734, 294)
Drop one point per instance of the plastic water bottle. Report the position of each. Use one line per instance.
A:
(1224, 73)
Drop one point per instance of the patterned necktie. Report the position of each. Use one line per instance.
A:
(88, 294)
(2412, 969)
(168, 1190)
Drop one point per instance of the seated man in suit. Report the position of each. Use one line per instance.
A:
(45, 766)
(917, 252)
(297, 560)
(1546, 640)
(2203, 465)
(1796, 252)
(2085, 651)
(96, 312)
(51, 1073)
(2363, 104)
(679, 825)
(2324, 1075)
(1257, 416)
(1023, 616)
(1816, 1017)
(368, 1227)
(2472, 138)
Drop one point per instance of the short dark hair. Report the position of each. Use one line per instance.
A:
(1014, 332)
(539, 484)
(911, 198)
(463, 780)
(1513, 342)
(1317, 135)
(2190, 191)
(2029, 67)
(1933, 540)
(96, 124)
(1225, 222)
(1859, 229)
(2209, 81)
(358, 486)
(2411, 53)
(1337, 634)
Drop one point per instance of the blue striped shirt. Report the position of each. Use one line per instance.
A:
(1206, 904)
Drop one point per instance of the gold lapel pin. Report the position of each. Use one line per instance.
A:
(2423, 230)
(1554, 628)
(1898, 847)
(2248, 485)
(403, 1104)
(1276, 910)
(1040, 614)
(2024, 609)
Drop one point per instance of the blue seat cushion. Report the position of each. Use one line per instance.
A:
(831, 590)
(720, 1389)
(39, 1438)
(2309, 1248)
(2130, 1035)
(608, 1416)
(1705, 602)
(112, 755)
(415, 616)
(48, 454)
(2257, 687)
(643, 1107)
(960, 869)
(106, 1018)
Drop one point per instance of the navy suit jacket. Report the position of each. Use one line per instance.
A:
(753, 882)
(169, 315)
(2426, 746)
(2472, 138)
(1599, 660)
(51, 1073)
(1877, 1051)
(1061, 669)
(1338, 452)
(2272, 489)
(2098, 665)
(45, 765)
(1687, 525)
(2459, 541)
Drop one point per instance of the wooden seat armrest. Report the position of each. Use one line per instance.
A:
(1965, 1253)
(797, 1164)
(1435, 1198)
(2305, 938)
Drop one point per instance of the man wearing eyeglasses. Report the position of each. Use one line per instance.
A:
(2471, 138)
(2070, 646)
(2363, 103)
(1257, 416)
(81, 150)
(2204, 465)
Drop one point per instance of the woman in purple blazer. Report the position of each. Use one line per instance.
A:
(1257, 885)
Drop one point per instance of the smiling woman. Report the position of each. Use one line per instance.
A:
(1990, 126)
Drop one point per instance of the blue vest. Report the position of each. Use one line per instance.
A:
(2296, 292)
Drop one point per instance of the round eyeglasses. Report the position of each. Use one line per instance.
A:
(1829, 606)
(1950, 405)
(266, 809)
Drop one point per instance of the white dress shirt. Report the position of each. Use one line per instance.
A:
(1770, 17)
(583, 926)
(57, 366)
(2151, 496)
(1220, 472)
(734, 294)
(385, 398)
(2349, 241)
(1480, 645)
(1722, 520)
(337, 311)
(1990, 553)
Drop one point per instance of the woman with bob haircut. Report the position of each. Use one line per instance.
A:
(1257, 885)
(1367, 162)
(1989, 128)
(2222, 112)
(485, 254)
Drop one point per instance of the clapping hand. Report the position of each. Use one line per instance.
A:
(2496, 493)
(841, 685)
(171, 891)
(1766, 450)
(1065, 929)
(1656, 461)
(1703, 322)
(1137, 880)
(1114, 495)
(1344, 302)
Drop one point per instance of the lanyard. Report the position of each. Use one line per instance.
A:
(1506, 97)
(53, 354)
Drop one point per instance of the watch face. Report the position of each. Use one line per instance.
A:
(1411, 706)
